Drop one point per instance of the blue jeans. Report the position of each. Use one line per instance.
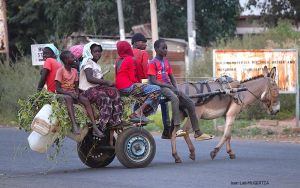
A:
(165, 115)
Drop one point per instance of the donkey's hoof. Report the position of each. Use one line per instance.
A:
(178, 160)
(192, 156)
(232, 156)
(213, 154)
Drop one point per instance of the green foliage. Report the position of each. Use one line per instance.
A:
(31, 21)
(32, 105)
(27, 24)
(215, 20)
(172, 18)
(17, 81)
(273, 10)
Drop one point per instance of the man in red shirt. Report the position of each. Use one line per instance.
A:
(161, 74)
(139, 44)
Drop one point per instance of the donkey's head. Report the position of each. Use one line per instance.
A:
(270, 96)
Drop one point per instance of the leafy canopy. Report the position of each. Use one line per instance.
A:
(41, 21)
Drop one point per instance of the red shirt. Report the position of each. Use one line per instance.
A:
(67, 78)
(52, 66)
(141, 59)
(160, 69)
(126, 73)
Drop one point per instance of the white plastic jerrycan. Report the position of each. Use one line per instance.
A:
(42, 122)
(41, 143)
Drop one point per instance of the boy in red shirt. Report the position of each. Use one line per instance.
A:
(139, 44)
(161, 74)
(67, 84)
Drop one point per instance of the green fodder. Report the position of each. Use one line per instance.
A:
(17, 81)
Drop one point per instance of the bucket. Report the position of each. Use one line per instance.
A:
(41, 122)
(41, 143)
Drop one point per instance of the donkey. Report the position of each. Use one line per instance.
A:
(262, 88)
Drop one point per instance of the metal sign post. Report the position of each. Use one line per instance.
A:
(297, 93)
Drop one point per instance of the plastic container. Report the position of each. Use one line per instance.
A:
(41, 143)
(42, 122)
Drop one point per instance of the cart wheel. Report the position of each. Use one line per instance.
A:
(95, 153)
(135, 147)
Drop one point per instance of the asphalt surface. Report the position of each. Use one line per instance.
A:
(258, 164)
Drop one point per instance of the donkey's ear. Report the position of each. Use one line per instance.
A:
(273, 73)
(265, 71)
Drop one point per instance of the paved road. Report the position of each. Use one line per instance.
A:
(258, 164)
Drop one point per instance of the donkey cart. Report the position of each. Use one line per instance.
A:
(131, 143)
(134, 147)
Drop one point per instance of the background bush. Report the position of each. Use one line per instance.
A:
(17, 81)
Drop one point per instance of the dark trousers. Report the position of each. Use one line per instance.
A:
(165, 115)
(184, 102)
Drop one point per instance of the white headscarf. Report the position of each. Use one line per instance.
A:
(87, 53)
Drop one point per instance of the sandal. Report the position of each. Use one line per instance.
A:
(203, 137)
(180, 133)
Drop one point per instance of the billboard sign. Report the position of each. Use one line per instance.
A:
(245, 64)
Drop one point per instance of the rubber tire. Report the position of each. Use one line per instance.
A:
(121, 147)
(84, 147)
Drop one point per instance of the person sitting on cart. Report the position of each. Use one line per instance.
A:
(146, 95)
(161, 74)
(100, 92)
(67, 85)
(50, 67)
(139, 44)
(77, 51)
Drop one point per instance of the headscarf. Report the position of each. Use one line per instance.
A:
(87, 53)
(54, 50)
(124, 49)
(77, 51)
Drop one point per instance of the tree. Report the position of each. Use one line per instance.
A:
(42, 21)
(273, 10)
(26, 24)
(216, 19)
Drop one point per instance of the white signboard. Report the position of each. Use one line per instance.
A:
(37, 54)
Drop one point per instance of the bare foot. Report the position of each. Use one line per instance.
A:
(97, 132)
